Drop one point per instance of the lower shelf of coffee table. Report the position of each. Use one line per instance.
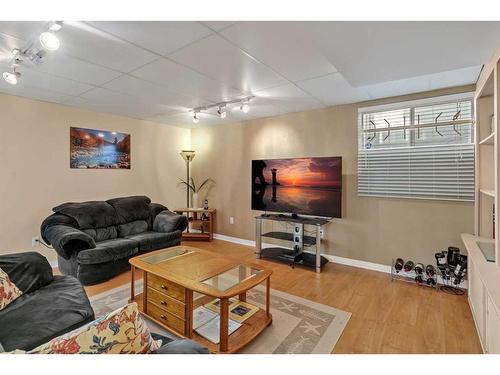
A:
(248, 331)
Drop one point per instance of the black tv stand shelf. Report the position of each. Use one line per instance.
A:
(286, 236)
(296, 254)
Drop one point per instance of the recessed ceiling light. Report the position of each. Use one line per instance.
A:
(11, 78)
(49, 41)
(245, 108)
(195, 118)
(221, 112)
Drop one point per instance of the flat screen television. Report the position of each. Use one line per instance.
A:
(307, 186)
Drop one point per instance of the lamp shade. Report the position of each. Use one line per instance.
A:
(187, 155)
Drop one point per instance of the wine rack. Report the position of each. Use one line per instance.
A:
(409, 277)
(448, 282)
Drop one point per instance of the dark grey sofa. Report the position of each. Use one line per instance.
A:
(94, 240)
(50, 305)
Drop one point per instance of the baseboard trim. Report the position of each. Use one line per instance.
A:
(331, 258)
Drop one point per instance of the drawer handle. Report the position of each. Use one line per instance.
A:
(163, 317)
(164, 303)
(164, 287)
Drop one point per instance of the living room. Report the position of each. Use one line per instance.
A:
(248, 184)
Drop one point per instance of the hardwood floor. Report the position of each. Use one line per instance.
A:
(387, 317)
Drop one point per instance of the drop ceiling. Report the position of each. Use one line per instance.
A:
(159, 71)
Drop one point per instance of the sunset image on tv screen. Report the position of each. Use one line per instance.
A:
(309, 186)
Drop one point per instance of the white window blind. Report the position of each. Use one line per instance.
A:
(428, 153)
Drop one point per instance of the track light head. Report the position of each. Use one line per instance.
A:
(11, 77)
(245, 108)
(195, 118)
(222, 112)
(56, 26)
(49, 41)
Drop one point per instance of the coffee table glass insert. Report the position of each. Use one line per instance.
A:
(227, 279)
(166, 255)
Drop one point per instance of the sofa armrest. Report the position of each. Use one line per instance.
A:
(168, 221)
(182, 347)
(67, 240)
(28, 271)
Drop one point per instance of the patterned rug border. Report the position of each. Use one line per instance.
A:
(325, 344)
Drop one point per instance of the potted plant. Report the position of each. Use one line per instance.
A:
(196, 189)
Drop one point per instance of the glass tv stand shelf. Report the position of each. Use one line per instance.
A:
(299, 239)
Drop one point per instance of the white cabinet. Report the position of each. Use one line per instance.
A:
(492, 329)
(477, 301)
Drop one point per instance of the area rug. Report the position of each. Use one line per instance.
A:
(299, 326)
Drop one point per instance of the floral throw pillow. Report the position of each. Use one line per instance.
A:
(8, 291)
(122, 331)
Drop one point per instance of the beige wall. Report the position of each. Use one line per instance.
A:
(35, 173)
(372, 229)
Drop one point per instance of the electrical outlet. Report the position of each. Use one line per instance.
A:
(321, 233)
(231, 220)
(35, 241)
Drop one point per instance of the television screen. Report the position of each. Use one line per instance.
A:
(308, 186)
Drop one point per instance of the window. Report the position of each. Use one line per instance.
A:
(421, 149)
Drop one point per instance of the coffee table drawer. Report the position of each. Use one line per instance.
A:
(167, 303)
(169, 288)
(166, 318)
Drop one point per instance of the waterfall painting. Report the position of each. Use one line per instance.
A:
(99, 149)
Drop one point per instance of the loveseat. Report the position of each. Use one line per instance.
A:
(49, 306)
(94, 240)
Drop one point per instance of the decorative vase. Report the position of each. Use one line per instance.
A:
(194, 200)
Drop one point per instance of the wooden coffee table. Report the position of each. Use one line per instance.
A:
(179, 279)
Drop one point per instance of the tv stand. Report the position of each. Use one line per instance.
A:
(299, 240)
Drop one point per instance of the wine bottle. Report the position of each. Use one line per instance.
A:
(398, 265)
(418, 279)
(408, 266)
(460, 270)
(453, 253)
(429, 270)
(430, 281)
(419, 268)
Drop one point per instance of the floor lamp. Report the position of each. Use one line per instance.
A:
(188, 156)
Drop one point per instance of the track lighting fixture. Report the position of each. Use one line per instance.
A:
(222, 112)
(34, 52)
(11, 78)
(49, 41)
(221, 107)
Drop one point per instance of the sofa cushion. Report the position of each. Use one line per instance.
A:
(50, 311)
(9, 292)
(154, 240)
(133, 227)
(102, 234)
(109, 250)
(131, 208)
(29, 271)
(122, 331)
(89, 215)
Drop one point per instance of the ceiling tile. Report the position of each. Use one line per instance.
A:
(88, 43)
(34, 93)
(158, 36)
(289, 98)
(456, 77)
(284, 46)
(373, 52)
(178, 78)
(78, 70)
(333, 89)
(25, 30)
(152, 92)
(218, 25)
(398, 87)
(222, 61)
(185, 119)
(109, 101)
